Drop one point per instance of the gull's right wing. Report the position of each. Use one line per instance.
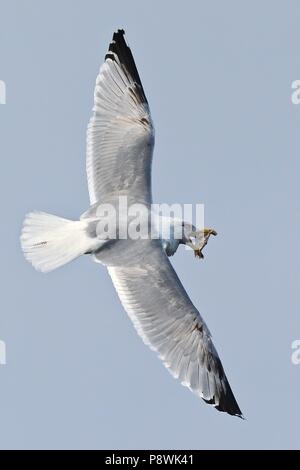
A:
(120, 136)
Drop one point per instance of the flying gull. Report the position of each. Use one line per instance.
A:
(120, 142)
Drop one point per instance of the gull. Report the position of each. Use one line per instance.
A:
(120, 142)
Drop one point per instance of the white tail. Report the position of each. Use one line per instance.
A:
(49, 242)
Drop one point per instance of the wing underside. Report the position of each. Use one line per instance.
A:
(168, 322)
(120, 136)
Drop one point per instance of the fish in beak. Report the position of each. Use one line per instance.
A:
(198, 239)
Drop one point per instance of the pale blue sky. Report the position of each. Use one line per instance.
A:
(218, 79)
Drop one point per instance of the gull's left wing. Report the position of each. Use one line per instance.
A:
(120, 136)
(168, 322)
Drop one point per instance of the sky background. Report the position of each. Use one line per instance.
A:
(218, 79)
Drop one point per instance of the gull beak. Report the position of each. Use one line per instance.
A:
(200, 239)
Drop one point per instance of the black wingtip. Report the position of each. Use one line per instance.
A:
(229, 407)
(119, 47)
(228, 404)
(225, 402)
(119, 32)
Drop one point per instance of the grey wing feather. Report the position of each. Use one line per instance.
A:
(168, 322)
(120, 135)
